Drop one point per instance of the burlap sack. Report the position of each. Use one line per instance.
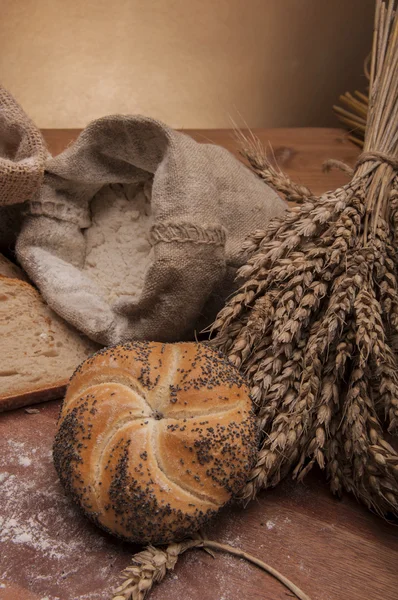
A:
(203, 204)
(22, 158)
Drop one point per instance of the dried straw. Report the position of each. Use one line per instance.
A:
(151, 565)
(354, 111)
(314, 324)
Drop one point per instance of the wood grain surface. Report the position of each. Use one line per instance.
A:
(332, 549)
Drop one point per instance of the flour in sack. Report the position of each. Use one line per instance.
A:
(118, 251)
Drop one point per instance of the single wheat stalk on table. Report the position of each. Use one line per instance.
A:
(151, 565)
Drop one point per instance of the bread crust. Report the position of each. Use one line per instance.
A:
(45, 389)
(154, 439)
(43, 393)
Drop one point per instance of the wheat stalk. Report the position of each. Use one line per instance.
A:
(314, 324)
(151, 565)
(354, 112)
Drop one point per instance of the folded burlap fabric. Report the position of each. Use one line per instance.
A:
(22, 152)
(137, 230)
(22, 157)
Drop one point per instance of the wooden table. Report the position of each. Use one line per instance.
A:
(332, 549)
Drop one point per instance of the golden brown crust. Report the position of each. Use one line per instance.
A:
(154, 438)
(41, 394)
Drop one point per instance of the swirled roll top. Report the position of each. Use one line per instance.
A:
(153, 439)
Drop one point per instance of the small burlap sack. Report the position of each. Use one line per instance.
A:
(22, 157)
(137, 230)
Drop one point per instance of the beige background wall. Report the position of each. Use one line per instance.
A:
(191, 63)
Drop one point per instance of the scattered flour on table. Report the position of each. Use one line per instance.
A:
(32, 529)
(43, 531)
(227, 565)
(226, 570)
(235, 541)
(118, 252)
(303, 567)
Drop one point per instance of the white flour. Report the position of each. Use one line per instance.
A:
(45, 542)
(118, 252)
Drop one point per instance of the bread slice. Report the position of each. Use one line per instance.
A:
(9, 269)
(38, 350)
